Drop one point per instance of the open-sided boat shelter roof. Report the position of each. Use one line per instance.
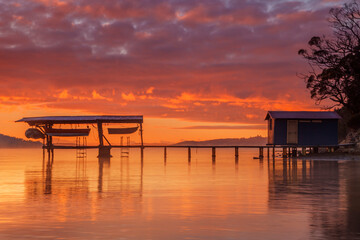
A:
(302, 115)
(81, 119)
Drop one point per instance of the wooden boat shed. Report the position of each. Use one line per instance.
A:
(302, 128)
(44, 126)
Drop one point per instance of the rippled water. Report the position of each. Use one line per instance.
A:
(79, 197)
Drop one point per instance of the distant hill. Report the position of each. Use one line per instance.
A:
(13, 142)
(258, 140)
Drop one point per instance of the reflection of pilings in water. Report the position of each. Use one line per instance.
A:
(141, 173)
(48, 174)
(294, 170)
(261, 163)
(102, 161)
(285, 171)
(303, 170)
(80, 170)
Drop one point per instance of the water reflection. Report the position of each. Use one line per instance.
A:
(154, 195)
(48, 171)
(326, 190)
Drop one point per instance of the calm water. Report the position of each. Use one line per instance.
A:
(81, 198)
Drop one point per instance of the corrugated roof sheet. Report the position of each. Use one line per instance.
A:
(81, 119)
(302, 115)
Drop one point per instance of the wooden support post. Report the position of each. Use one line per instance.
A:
(236, 154)
(303, 151)
(213, 154)
(51, 141)
(104, 152)
(284, 153)
(164, 154)
(261, 152)
(289, 152)
(268, 152)
(101, 134)
(316, 150)
(141, 135)
(330, 149)
(273, 152)
(189, 154)
(294, 152)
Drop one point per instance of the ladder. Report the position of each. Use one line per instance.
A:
(125, 150)
(81, 152)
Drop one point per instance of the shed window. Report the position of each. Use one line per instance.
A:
(316, 121)
(304, 121)
(270, 124)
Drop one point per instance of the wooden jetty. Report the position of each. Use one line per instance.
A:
(43, 127)
(286, 151)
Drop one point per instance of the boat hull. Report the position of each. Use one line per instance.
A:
(82, 132)
(122, 130)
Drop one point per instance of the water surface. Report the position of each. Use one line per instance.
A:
(74, 195)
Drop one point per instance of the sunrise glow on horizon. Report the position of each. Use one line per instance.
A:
(196, 70)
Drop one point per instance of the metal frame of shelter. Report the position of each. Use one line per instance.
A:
(44, 123)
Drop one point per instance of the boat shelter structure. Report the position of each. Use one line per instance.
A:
(44, 127)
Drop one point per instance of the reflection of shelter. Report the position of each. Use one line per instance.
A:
(302, 128)
(45, 126)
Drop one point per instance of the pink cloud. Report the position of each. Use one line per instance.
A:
(198, 60)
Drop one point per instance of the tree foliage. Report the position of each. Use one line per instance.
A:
(335, 61)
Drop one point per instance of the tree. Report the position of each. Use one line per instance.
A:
(335, 61)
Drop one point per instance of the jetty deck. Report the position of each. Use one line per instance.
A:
(287, 151)
(46, 127)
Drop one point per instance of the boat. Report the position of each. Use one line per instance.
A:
(58, 132)
(34, 133)
(122, 130)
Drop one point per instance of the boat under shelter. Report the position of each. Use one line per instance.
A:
(45, 125)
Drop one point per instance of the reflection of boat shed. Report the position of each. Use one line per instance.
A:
(302, 128)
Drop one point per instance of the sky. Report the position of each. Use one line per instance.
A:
(195, 70)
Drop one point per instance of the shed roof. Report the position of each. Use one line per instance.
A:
(81, 119)
(302, 115)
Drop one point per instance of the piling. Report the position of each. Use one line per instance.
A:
(303, 151)
(189, 154)
(236, 154)
(104, 152)
(316, 150)
(284, 153)
(213, 154)
(273, 152)
(261, 152)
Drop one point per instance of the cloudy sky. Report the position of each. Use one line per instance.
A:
(196, 69)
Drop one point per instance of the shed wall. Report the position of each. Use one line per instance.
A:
(280, 131)
(313, 133)
(309, 133)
